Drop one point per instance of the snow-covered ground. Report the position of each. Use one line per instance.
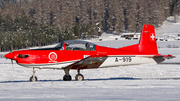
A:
(131, 83)
(169, 27)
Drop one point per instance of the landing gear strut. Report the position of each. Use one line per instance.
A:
(67, 76)
(33, 78)
(79, 77)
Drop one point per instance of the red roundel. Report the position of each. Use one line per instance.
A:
(53, 56)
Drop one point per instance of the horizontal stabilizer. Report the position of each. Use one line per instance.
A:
(158, 56)
(169, 56)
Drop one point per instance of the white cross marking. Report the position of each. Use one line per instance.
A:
(153, 36)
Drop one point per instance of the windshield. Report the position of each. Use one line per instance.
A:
(59, 46)
(79, 45)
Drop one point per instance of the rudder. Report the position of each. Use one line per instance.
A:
(147, 42)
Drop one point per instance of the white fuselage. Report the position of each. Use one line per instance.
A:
(111, 61)
(114, 61)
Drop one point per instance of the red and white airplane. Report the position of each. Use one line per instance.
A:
(79, 55)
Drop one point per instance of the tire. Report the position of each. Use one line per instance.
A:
(33, 79)
(67, 78)
(79, 77)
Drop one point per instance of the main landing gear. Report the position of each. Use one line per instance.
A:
(79, 77)
(67, 76)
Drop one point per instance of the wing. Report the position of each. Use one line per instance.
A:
(88, 63)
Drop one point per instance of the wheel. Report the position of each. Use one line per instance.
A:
(79, 77)
(67, 78)
(33, 79)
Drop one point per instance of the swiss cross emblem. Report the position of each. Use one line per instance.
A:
(153, 37)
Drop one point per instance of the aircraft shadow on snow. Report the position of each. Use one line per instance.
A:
(100, 79)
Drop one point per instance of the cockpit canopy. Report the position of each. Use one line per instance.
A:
(76, 45)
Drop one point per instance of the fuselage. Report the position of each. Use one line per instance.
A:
(60, 58)
(78, 55)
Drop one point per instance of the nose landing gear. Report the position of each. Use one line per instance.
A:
(33, 78)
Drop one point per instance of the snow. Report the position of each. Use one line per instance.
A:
(147, 83)
(169, 27)
(131, 83)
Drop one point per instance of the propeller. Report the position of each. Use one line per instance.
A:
(12, 65)
(10, 55)
(11, 52)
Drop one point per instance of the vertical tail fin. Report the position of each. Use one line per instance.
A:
(147, 43)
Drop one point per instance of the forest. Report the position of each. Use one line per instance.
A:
(27, 23)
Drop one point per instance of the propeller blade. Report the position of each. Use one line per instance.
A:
(12, 65)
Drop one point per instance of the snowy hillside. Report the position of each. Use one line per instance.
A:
(169, 27)
(168, 31)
